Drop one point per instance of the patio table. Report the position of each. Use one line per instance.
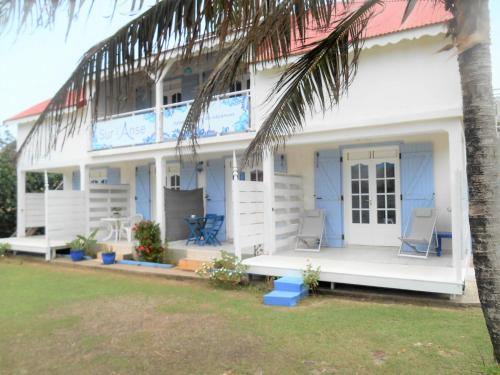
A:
(195, 224)
(115, 224)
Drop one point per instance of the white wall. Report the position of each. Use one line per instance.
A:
(393, 82)
(301, 163)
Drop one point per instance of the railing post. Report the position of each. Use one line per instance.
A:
(159, 110)
(160, 168)
(269, 222)
(236, 208)
(21, 203)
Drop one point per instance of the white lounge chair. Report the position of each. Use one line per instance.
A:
(311, 228)
(420, 233)
(129, 225)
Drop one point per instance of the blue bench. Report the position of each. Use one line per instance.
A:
(440, 236)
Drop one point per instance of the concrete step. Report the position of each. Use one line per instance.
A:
(290, 284)
(202, 254)
(190, 264)
(280, 298)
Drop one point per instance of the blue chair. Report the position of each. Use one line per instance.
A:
(195, 225)
(212, 226)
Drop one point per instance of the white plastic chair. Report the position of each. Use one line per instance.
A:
(312, 226)
(419, 233)
(129, 225)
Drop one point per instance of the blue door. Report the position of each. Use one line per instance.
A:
(215, 193)
(75, 180)
(280, 165)
(328, 194)
(143, 191)
(189, 176)
(417, 179)
(114, 176)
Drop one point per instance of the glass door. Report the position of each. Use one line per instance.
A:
(371, 205)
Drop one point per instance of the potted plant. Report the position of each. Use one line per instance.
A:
(83, 245)
(76, 250)
(108, 256)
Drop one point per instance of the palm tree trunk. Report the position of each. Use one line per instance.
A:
(482, 166)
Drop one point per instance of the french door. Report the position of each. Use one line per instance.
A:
(372, 203)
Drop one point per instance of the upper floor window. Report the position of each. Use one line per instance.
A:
(235, 86)
(176, 98)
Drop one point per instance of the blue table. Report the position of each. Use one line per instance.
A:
(440, 236)
(195, 225)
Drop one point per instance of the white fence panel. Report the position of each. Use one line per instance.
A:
(35, 210)
(102, 199)
(288, 205)
(66, 214)
(248, 219)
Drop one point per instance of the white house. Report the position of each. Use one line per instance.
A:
(394, 143)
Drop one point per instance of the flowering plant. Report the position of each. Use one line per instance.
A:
(226, 271)
(150, 247)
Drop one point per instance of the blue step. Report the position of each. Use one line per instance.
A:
(290, 284)
(280, 298)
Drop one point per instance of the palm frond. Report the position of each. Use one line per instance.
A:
(180, 27)
(318, 78)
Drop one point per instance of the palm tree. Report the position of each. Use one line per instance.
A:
(265, 33)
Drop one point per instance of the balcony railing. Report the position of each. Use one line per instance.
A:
(227, 114)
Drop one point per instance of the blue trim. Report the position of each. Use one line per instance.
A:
(145, 264)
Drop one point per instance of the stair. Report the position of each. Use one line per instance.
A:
(187, 264)
(288, 291)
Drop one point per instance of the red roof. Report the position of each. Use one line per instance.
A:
(386, 20)
(32, 111)
(40, 107)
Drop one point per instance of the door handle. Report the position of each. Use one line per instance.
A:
(319, 198)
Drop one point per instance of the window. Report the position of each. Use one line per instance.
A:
(256, 175)
(360, 192)
(235, 86)
(175, 182)
(98, 176)
(176, 98)
(386, 193)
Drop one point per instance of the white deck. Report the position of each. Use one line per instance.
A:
(363, 265)
(35, 244)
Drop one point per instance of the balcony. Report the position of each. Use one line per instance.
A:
(227, 114)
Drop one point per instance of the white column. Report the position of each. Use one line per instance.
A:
(21, 203)
(456, 169)
(269, 222)
(159, 110)
(84, 177)
(160, 194)
(236, 208)
(68, 180)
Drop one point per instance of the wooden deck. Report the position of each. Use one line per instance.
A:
(179, 250)
(363, 265)
(36, 245)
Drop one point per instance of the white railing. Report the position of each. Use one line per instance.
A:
(34, 213)
(66, 214)
(101, 200)
(288, 207)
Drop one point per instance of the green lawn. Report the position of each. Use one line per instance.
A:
(67, 321)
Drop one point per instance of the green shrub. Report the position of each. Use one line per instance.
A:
(4, 247)
(226, 271)
(150, 247)
(311, 277)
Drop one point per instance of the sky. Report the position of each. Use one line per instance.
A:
(36, 62)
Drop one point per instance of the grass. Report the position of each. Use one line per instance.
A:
(67, 321)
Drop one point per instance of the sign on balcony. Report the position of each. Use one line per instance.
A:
(138, 129)
(227, 115)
